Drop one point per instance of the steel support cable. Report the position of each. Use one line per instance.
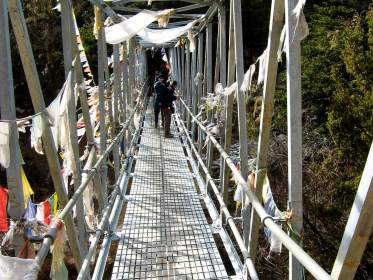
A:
(50, 236)
(223, 207)
(310, 264)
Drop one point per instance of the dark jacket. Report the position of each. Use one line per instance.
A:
(164, 95)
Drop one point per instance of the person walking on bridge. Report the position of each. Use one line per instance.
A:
(164, 99)
(159, 86)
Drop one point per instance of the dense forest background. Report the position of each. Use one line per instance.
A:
(337, 79)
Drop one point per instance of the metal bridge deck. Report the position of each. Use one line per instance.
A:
(165, 234)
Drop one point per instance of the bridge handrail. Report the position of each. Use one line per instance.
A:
(223, 207)
(306, 260)
(49, 238)
(120, 190)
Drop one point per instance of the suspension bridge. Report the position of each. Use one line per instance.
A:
(162, 206)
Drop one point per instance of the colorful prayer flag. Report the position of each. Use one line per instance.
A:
(3, 206)
(27, 190)
(43, 212)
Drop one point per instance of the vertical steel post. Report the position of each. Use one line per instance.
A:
(209, 89)
(117, 79)
(68, 33)
(294, 115)
(8, 112)
(242, 129)
(224, 179)
(125, 90)
(222, 46)
(275, 27)
(16, 203)
(120, 86)
(188, 86)
(217, 59)
(222, 71)
(194, 91)
(182, 75)
(199, 85)
(101, 92)
(131, 72)
(177, 76)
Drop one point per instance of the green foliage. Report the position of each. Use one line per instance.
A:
(90, 45)
(337, 102)
(350, 119)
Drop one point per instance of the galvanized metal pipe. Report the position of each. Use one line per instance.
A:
(312, 266)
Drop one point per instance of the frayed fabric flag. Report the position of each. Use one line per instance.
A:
(248, 78)
(53, 201)
(4, 144)
(89, 206)
(37, 130)
(281, 46)
(3, 207)
(272, 210)
(58, 267)
(43, 212)
(12, 268)
(30, 213)
(128, 28)
(262, 66)
(192, 41)
(27, 190)
(161, 36)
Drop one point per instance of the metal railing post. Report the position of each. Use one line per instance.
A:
(275, 27)
(117, 79)
(101, 55)
(241, 106)
(8, 112)
(193, 90)
(199, 85)
(294, 120)
(182, 68)
(16, 203)
(186, 116)
(125, 92)
(68, 33)
(209, 88)
(224, 178)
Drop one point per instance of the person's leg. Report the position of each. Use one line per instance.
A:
(167, 124)
(162, 118)
(156, 114)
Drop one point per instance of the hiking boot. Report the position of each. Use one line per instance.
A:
(168, 136)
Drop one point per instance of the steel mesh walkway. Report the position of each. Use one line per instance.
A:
(165, 234)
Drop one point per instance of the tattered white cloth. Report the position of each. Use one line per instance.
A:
(4, 144)
(248, 78)
(219, 89)
(36, 133)
(12, 268)
(262, 66)
(128, 28)
(161, 36)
